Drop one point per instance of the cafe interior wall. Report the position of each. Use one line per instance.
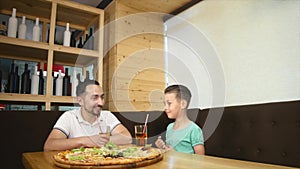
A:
(257, 44)
(133, 63)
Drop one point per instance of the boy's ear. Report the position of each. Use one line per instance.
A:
(183, 104)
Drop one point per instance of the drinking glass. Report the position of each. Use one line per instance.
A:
(140, 135)
(105, 130)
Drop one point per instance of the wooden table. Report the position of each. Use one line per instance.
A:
(171, 159)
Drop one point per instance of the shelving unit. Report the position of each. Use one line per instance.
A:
(53, 13)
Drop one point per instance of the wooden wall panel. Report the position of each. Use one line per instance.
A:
(135, 76)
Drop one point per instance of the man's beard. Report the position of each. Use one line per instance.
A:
(93, 111)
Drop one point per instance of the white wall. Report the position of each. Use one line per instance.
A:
(236, 51)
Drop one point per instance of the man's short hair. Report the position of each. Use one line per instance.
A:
(82, 86)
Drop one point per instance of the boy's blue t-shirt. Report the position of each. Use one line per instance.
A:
(183, 140)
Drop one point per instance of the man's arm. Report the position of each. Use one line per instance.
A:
(57, 140)
(120, 135)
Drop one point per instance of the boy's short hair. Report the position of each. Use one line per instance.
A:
(81, 87)
(182, 92)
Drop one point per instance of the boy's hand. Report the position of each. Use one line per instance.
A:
(160, 143)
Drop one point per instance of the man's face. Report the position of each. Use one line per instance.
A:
(93, 100)
(172, 105)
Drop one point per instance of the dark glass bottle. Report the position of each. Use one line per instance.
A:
(10, 79)
(91, 39)
(78, 77)
(0, 80)
(54, 84)
(16, 81)
(80, 44)
(66, 84)
(73, 40)
(25, 81)
(87, 75)
(85, 44)
(41, 83)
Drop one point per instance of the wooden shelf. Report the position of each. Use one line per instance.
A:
(53, 13)
(22, 97)
(63, 99)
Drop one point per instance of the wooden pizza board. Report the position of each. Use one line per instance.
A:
(124, 166)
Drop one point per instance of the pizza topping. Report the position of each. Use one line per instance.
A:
(107, 155)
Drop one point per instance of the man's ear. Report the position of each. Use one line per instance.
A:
(183, 104)
(79, 100)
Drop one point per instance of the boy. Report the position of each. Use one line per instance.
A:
(183, 135)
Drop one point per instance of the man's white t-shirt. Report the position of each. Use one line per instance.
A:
(73, 125)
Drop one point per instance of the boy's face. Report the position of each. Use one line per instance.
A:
(172, 105)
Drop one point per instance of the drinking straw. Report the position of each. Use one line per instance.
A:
(146, 121)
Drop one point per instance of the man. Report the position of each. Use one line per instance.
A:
(82, 127)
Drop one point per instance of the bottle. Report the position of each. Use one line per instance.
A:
(85, 43)
(87, 76)
(79, 79)
(54, 83)
(0, 80)
(11, 79)
(22, 29)
(59, 82)
(16, 81)
(91, 39)
(3, 30)
(34, 82)
(74, 83)
(36, 31)
(66, 84)
(73, 40)
(12, 25)
(80, 44)
(41, 82)
(25, 81)
(67, 36)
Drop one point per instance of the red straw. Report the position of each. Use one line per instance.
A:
(146, 123)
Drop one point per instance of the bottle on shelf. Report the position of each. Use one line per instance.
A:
(66, 84)
(10, 79)
(34, 82)
(59, 83)
(41, 82)
(85, 43)
(79, 78)
(22, 29)
(16, 81)
(36, 31)
(0, 79)
(25, 81)
(87, 75)
(91, 39)
(12, 24)
(54, 83)
(80, 44)
(67, 35)
(74, 83)
(3, 29)
(73, 40)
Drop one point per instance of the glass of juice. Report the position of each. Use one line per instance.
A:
(140, 135)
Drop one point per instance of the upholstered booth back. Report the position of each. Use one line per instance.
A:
(268, 133)
(23, 131)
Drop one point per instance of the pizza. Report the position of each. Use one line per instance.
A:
(109, 154)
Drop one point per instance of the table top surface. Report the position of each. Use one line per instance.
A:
(171, 159)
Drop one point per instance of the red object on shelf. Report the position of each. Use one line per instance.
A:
(2, 106)
(55, 67)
